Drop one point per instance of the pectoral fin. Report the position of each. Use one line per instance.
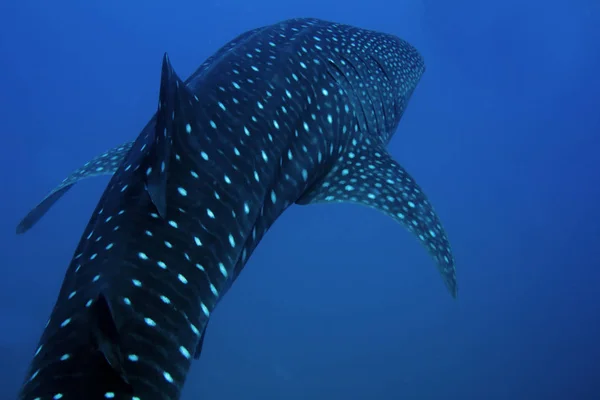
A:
(104, 164)
(372, 178)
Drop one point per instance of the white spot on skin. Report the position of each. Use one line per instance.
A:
(184, 352)
(205, 310)
(34, 375)
(223, 270)
(168, 377)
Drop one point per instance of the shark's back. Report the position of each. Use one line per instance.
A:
(377, 71)
(297, 112)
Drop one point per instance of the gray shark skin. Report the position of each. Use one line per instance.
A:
(296, 112)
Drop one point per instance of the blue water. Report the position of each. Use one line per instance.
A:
(339, 302)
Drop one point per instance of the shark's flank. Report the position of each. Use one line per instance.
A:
(296, 112)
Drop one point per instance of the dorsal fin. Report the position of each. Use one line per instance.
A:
(106, 337)
(369, 176)
(200, 343)
(175, 120)
(159, 154)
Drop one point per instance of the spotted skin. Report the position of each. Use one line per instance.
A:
(104, 164)
(296, 112)
(370, 177)
(108, 162)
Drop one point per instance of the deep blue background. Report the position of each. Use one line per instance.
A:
(339, 302)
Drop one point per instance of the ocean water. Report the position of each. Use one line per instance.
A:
(339, 302)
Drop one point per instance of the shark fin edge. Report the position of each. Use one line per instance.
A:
(159, 153)
(379, 182)
(200, 344)
(103, 164)
(106, 339)
(42, 208)
(175, 121)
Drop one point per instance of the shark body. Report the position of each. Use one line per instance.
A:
(296, 112)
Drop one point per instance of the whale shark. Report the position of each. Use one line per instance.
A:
(297, 112)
